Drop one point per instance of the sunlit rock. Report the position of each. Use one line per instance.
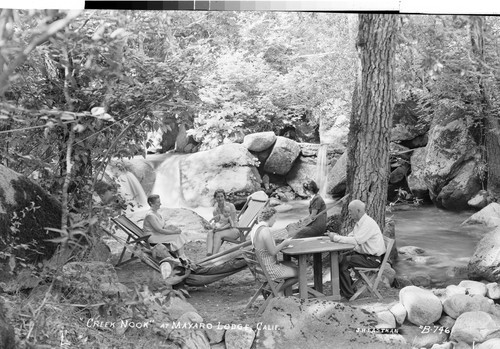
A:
(282, 157)
(422, 305)
(474, 287)
(485, 262)
(458, 304)
(259, 141)
(475, 326)
(488, 216)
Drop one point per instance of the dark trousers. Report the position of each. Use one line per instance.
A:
(354, 259)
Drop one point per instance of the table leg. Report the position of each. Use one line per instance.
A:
(288, 291)
(318, 272)
(334, 272)
(303, 276)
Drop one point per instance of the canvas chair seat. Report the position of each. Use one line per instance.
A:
(137, 241)
(268, 286)
(370, 277)
(248, 215)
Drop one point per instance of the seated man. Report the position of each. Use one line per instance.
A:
(369, 247)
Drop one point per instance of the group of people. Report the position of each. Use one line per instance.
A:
(366, 236)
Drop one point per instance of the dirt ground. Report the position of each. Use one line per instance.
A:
(224, 301)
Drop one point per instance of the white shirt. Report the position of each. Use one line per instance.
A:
(366, 236)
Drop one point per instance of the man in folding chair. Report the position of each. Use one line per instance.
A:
(369, 247)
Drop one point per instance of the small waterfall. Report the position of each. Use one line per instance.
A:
(168, 181)
(322, 169)
(131, 189)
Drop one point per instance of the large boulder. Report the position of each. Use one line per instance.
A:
(257, 142)
(485, 262)
(493, 343)
(26, 210)
(450, 147)
(315, 323)
(422, 337)
(423, 307)
(230, 167)
(282, 157)
(480, 200)
(475, 326)
(456, 194)
(416, 179)
(399, 312)
(474, 287)
(185, 336)
(304, 169)
(489, 216)
(407, 124)
(493, 290)
(239, 338)
(458, 304)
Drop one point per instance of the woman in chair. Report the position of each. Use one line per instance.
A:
(215, 236)
(267, 250)
(161, 233)
(317, 213)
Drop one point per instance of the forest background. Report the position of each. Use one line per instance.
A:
(78, 88)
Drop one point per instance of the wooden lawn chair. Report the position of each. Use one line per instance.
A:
(268, 285)
(139, 240)
(370, 277)
(248, 215)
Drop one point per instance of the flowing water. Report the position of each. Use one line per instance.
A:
(447, 244)
(131, 189)
(322, 169)
(168, 179)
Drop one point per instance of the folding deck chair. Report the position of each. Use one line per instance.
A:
(370, 277)
(248, 215)
(268, 285)
(136, 237)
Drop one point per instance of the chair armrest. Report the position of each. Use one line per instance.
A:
(243, 228)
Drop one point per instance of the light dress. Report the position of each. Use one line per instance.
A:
(176, 241)
(275, 269)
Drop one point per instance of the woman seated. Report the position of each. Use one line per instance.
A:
(215, 236)
(267, 251)
(317, 213)
(161, 233)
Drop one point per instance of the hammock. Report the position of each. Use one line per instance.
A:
(229, 262)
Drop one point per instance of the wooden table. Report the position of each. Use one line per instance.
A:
(301, 248)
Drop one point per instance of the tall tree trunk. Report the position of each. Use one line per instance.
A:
(489, 119)
(371, 117)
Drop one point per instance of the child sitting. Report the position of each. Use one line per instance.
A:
(222, 221)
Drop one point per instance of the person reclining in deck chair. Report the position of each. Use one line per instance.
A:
(267, 251)
(161, 233)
